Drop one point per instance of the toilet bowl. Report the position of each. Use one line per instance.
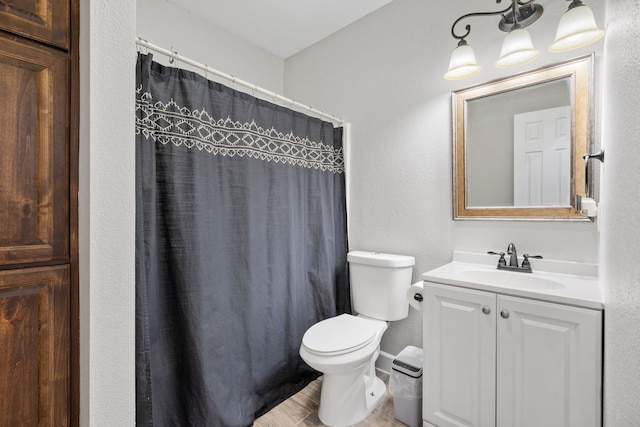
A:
(345, 349)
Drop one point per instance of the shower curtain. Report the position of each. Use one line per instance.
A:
(240, 247)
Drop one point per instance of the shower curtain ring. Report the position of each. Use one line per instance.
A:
(144, 46)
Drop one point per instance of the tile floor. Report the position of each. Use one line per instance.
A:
(302, 410)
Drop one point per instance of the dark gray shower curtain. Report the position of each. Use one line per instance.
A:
(240, 247)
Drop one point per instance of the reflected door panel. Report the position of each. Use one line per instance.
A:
(541, 157)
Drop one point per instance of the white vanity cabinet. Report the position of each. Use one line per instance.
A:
(505, 361)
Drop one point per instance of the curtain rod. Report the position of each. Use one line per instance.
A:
(235, 80)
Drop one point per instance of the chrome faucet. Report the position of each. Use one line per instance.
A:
(513, 259)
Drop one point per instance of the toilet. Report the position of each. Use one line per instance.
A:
(344, 348)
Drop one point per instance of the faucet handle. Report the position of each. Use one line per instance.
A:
(525, 261)
(501, 260)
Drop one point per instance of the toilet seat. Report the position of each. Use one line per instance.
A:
(339, 335)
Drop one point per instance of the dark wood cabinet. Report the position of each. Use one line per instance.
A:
(43, 20)
(34, 338)
(39, 309)
(34, 165)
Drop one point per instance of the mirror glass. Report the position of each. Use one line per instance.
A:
(519, 142)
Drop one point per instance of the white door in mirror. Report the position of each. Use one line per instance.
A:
(542, 157)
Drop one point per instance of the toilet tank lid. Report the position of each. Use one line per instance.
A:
(380, 259)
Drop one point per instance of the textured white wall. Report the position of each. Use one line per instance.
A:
(620, 242)
(384, 75)
(173, 28)
(107, 213)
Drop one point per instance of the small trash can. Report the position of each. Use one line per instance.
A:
(405, 385)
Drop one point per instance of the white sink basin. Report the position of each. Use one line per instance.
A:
(556, 281)
(511, 279)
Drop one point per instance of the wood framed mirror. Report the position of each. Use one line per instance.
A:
(518, 144)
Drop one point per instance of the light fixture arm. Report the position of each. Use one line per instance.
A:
(514, 8)
(469, 15)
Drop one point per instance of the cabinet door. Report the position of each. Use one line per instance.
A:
(459, 356)
(34, 347)
(548, 364)
(34, 168)
(42, 20)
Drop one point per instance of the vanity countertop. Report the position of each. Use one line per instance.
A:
(553, 281)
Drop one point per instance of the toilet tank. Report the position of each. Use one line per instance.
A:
(379, 284)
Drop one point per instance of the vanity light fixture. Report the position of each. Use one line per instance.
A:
(463, 62)
(517, 49)
(577, 28)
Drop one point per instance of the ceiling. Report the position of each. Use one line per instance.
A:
(281, 27)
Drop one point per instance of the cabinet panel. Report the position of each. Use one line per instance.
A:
(42, 20)
(459, 356)
(34, 171)
(548, 364)
(34, 347)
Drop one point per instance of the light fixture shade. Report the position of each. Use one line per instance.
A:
(462, 64)
(517, 49)
(577, 28)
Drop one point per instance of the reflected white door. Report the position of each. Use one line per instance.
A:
(542, 157)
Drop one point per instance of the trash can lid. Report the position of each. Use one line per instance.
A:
(409, 361)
